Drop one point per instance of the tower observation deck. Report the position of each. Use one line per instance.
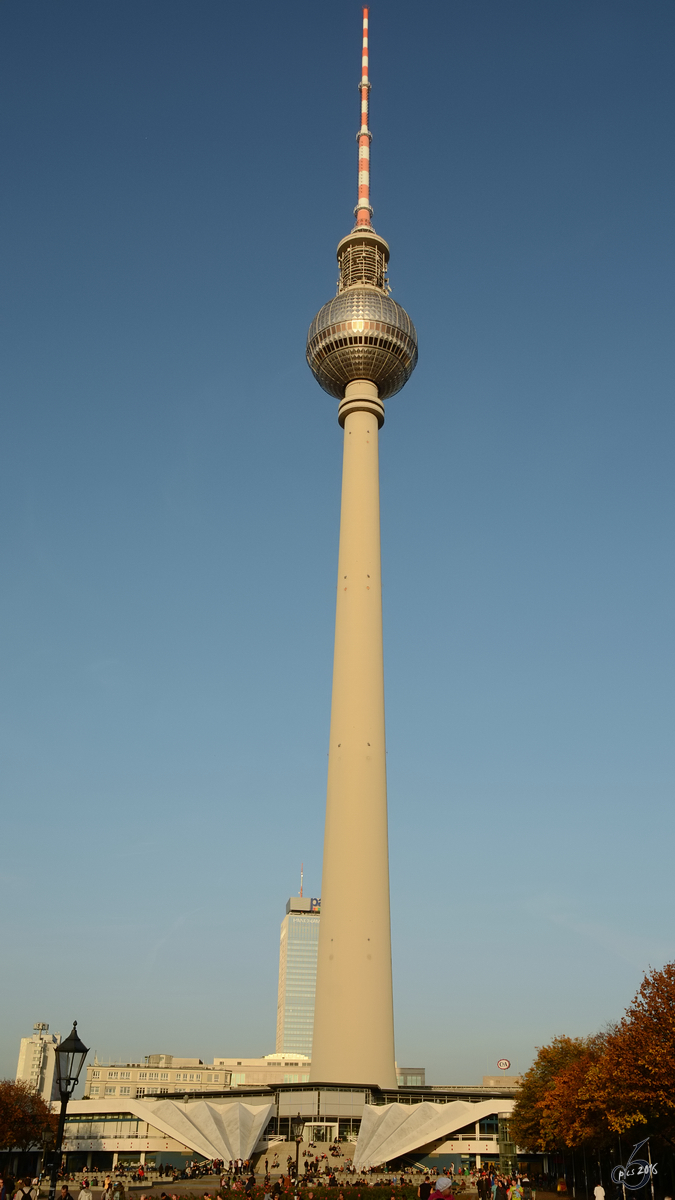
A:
(362, 333)
(362, 349)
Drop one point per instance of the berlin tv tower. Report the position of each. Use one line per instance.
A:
(361, 348)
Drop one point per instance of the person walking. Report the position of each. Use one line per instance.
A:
(424, 1190)
(25, 1192)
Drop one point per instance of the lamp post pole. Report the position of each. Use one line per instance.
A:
(298, 1129)
(56, 1159)
(70, 1056)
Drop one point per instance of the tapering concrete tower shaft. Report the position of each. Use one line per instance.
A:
(353, 1016)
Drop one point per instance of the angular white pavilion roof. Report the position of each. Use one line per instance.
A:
(226, 1131)
(390, 1130)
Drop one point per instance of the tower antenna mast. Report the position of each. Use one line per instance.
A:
(302, 873)
(363, 211)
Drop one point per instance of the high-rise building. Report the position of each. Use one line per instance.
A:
(298, 944)
(362, 349)
(37, 1061)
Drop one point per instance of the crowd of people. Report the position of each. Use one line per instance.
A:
(318, 1169)
(489, 1184)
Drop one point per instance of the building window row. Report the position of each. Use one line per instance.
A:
(111, 1089)
(162, 1076)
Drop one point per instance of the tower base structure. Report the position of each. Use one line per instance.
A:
(427, 1124)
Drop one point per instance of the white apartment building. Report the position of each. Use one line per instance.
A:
(37, 1063)
(157, 1075)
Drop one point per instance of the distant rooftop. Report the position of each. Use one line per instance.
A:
(283, 1057)
(304, 904)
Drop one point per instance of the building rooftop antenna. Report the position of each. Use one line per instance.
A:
(302, 875)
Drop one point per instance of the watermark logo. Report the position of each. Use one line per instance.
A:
(637, 1171)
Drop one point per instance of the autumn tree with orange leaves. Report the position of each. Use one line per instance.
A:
(25, 1119)
(583, 1091)
(551, 1109)
(634, 1082)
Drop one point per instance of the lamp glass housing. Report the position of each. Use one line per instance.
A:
(70, 1056)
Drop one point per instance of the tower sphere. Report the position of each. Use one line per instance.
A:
(362, 333)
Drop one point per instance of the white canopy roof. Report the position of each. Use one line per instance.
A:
(389, 1130)
(227, 1131)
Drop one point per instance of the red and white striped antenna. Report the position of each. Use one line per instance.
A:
(363, 210)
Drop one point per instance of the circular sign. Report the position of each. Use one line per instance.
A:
(504, 1064)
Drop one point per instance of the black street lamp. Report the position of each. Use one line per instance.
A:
(70, 1056)
(297, 1129)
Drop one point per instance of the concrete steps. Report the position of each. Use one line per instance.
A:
(283, 1149)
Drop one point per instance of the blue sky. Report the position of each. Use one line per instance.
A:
(177, 178)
